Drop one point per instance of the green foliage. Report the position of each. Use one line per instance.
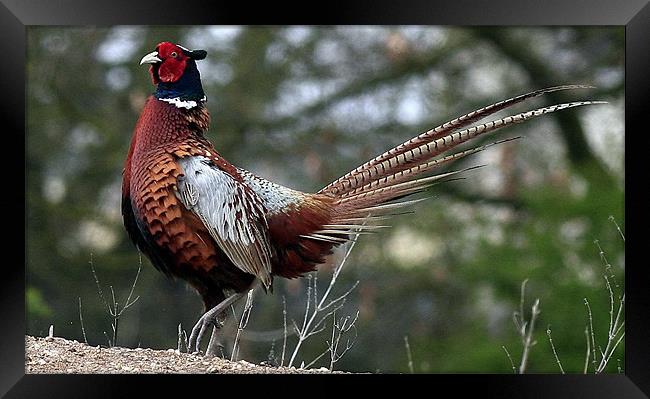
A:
(35, 303)
(301, 106)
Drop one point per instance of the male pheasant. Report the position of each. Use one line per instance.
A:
(199, 218)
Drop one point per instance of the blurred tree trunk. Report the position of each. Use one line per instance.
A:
(579, 152)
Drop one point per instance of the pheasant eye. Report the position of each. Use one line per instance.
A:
(174, 54)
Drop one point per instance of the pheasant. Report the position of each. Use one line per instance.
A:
(221, 228)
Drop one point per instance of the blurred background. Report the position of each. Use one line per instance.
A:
(302, 106)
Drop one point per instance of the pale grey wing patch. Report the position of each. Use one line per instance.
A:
(233, 215)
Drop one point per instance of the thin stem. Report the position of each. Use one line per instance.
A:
(115, 311)
(550, 339)
(512, 363)
(614, 330)
(317, 358)
(304, 321)
(408, 353)
(284, 318)
(337, 271)
(528, 341)
(308, 320)
(522, 295)
(588, 351)
(182, 339)
(81, 320)
(99, 288)
(129, 303)
(611, 306)
(611, 218)
(591, 329)
(115, 315)
(110, 344)
(604, 364)
(339, 328)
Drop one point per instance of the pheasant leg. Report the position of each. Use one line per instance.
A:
(211, 317)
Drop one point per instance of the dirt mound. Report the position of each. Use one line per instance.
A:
(58, 355)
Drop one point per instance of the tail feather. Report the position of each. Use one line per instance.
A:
(383, 163)
(419, 169)
(416, 159)
(381, 209)
(390, 192)
(374, 190)
(354, 226)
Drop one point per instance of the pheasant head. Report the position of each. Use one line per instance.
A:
(173, 69)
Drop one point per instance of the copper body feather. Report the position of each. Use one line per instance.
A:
(177, 240)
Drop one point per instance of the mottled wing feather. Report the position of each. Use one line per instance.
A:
(231, 212)
(293, 216)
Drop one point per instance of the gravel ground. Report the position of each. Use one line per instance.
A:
(54, 355)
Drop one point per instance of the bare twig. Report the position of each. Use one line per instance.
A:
(130, 303)
(114, 310)
(284, 319)
(584, 371)
(178, 346)
(524, 328)
(611, 219)
(528, 338)
(608, 267)
(512, 363)
(615, 332)
(99, 287)
(611, 304)
(340, 328)
(270, 358)
(522, 298)
(557, 359)
(608, 354)
(81, 320)
(309, 325)
(615, 323)
(518, 317)
(182, 339)
(326, 351)
(408, 354)
(114, 324)
(591, 333)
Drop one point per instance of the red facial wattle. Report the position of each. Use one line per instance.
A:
(171, 69)
(173, 63)
(153, 71)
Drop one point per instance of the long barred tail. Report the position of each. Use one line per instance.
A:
(369, 189)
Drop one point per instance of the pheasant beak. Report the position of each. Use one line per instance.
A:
(150, 58)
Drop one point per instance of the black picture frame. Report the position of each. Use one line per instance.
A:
(16, 15)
